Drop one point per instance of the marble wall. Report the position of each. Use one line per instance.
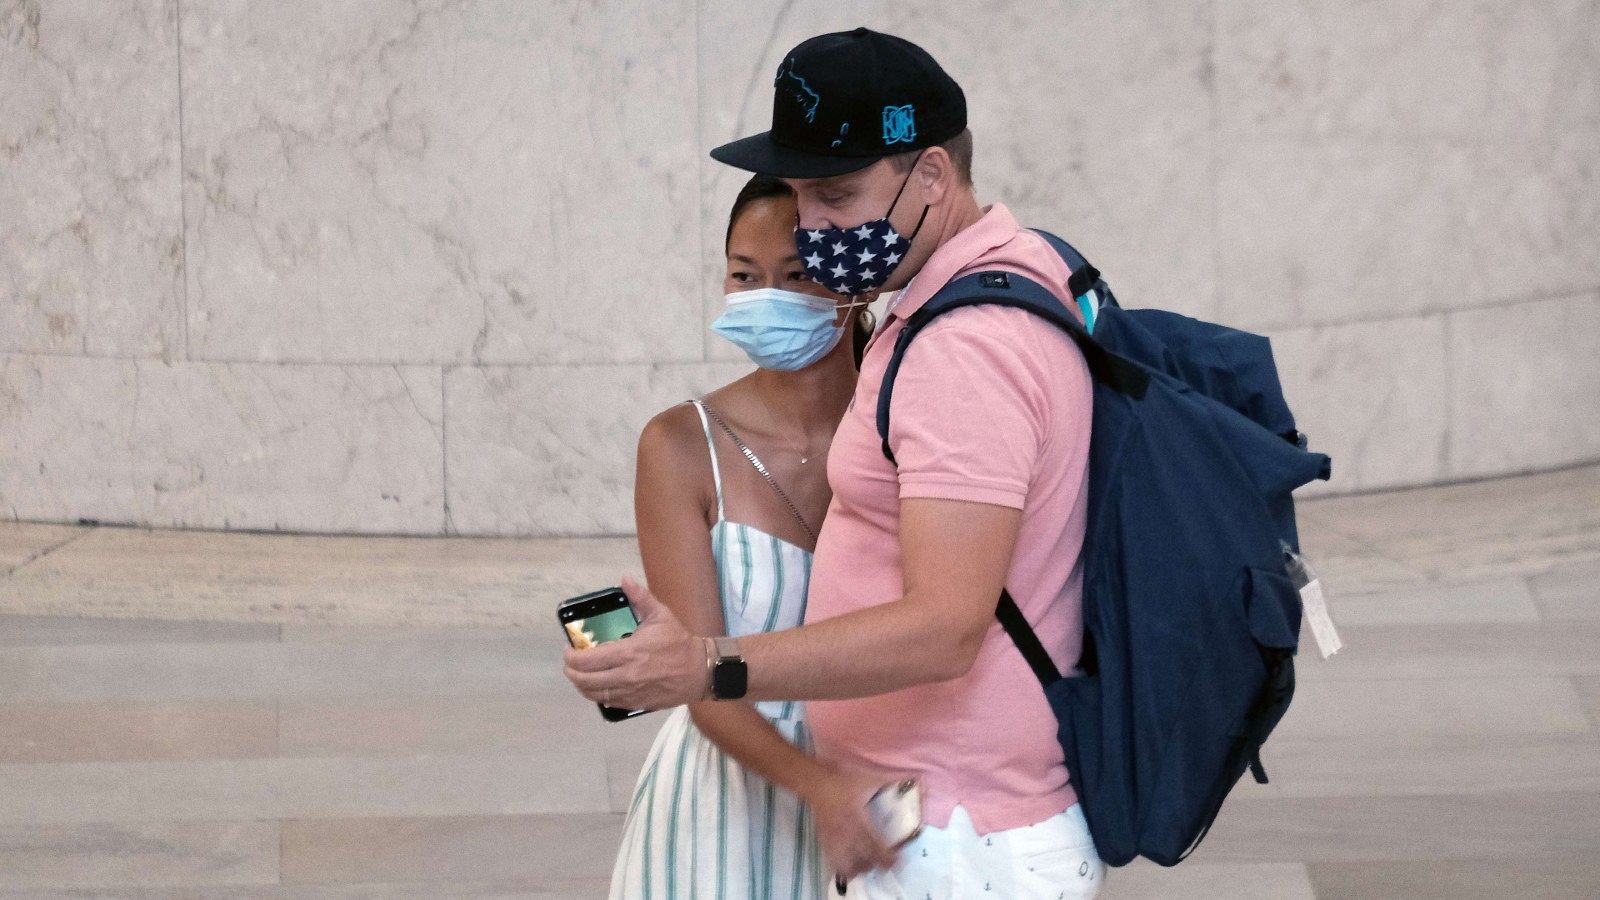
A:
(426, 267)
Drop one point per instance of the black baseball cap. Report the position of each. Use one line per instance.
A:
(844, 100)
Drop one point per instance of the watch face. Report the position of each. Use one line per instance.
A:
(729, 679)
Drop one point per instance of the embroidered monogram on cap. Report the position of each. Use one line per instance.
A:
(899, 124)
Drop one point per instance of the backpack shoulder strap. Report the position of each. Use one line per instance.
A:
(1088, 288)
(1022, 634)
(1018, 292)
(1084, 276)
(1015, 291)
(1010, 290)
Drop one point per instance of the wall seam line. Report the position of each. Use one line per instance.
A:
(448, 525)
(183, 201)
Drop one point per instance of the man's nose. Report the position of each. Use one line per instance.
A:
(811, 215)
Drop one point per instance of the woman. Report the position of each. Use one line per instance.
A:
(730, 492)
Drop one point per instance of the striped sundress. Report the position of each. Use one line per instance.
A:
(699, 824)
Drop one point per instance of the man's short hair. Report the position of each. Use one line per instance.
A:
(959, 148)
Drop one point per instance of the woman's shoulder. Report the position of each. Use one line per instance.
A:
(672, 432)
(678, 430)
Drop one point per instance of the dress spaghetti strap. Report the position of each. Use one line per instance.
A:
(716, 472)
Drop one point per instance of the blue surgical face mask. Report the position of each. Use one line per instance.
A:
(781, 330)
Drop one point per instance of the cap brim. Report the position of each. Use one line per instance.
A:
(760, 154)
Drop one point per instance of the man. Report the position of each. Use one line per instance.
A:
(901, 656)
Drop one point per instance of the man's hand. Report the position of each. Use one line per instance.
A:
(849, 839)
(660, 666)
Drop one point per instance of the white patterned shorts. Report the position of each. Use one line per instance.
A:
(1052, 860)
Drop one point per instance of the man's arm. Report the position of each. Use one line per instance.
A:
(964, 473)
(956, 556)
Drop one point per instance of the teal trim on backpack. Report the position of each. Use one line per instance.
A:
(1089, 305)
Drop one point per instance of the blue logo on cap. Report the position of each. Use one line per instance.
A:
(798, 89)
(899, 125)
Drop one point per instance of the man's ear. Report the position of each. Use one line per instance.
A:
(937, 172)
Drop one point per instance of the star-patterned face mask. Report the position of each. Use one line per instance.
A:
(855, 261)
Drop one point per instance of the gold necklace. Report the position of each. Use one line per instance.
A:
(813, 454)
(807, 456)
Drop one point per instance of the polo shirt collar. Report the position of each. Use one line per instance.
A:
(997, 227)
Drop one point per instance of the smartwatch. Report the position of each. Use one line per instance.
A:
(730, 677)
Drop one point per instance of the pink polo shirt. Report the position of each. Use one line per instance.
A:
(992, 406)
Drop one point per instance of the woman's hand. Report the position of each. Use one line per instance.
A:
(849, 839)
(659, 666)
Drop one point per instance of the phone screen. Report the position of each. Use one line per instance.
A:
(597, 629)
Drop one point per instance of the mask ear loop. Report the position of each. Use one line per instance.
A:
(925, 207)
(920, 220)
(909, 173)
(846, 307)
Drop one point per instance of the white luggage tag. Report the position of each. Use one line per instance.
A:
(1313, 603)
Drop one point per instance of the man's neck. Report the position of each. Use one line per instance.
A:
(961, 214)
(965, 215)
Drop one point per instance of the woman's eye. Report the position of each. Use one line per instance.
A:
(742, 277)
(797, 276)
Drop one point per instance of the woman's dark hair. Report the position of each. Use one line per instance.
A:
(763, 187)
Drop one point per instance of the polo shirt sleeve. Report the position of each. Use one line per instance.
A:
(968, 415)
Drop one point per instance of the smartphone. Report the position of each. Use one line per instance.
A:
(896, 809)
(594, 619)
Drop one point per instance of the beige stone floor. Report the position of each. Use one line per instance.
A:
(225, 715)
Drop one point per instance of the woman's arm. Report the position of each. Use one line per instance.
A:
(670, 511)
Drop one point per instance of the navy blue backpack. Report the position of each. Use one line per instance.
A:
(1191, 619)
